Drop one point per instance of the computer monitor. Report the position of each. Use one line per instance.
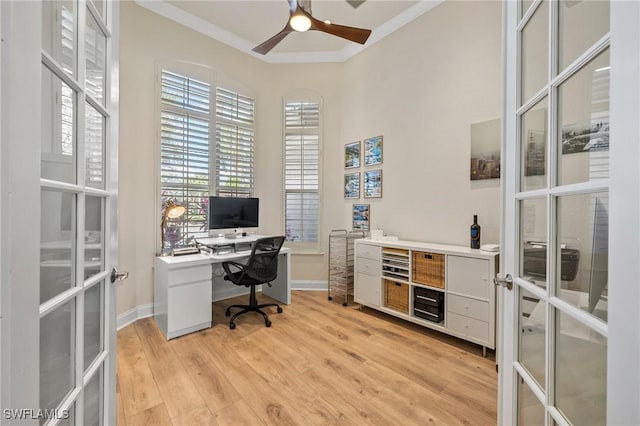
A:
(600, 254)
(233, 212)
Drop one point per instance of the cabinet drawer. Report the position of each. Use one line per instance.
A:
(468, 307)
(368, 251)
(467, 275)
(189, 306)
(189, 275)
(468, 327)
(369, 266)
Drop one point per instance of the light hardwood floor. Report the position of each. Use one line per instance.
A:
(320, 363)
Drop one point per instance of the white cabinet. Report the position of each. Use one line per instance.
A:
(182, 295)
(368, 268)
(446, 288)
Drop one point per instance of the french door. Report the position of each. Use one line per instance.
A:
(570, 213)
(59, 162)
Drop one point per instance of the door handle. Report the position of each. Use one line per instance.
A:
(505, 282)
(118, 276)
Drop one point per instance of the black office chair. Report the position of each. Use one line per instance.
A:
(261, 268)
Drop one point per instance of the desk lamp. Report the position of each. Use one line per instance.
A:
(172, 211)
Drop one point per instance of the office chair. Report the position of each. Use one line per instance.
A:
(261, 268)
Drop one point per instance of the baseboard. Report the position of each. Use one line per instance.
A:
(144, 311)
(309, 285)
(134, 314)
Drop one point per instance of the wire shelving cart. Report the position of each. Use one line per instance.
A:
(341, 254)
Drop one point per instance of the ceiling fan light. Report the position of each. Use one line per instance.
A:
(300, 22)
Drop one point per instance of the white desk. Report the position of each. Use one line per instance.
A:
(183, 288)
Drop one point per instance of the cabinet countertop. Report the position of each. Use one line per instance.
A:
(439, 248)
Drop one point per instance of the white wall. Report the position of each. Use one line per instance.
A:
(421, 88)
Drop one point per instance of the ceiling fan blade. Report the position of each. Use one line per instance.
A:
(265, 47)
(358, 35)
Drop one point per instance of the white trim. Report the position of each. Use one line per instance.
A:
(215, 32)
(146, 310)
(309, 285)
(134, 314)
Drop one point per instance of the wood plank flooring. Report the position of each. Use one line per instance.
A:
(320, 363)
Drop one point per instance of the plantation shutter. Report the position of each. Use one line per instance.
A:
(234, 144)
(185, 152)
(302, 171)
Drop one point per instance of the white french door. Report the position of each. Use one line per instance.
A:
(569, 337)
(59, 187)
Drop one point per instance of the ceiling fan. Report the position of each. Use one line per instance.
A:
(300, 20)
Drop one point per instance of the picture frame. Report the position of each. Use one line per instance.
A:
(372, 183)
(361, 214)
(352, 185)
(352, 155)
(534, 155)
(373, 151)
(485, 150)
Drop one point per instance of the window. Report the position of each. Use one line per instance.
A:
(234, 144)
(302, 171)
(185, 153)
(191, 168)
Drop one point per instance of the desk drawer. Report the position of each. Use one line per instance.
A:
(189, 275)
(189, 306)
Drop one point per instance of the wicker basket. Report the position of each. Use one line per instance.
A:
(428, 269)
(396, 296)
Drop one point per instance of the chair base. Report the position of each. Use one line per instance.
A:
(251, 307)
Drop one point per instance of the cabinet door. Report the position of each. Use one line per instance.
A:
(367, 289)
(468, 276)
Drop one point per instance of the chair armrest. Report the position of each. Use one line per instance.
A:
(230, 274)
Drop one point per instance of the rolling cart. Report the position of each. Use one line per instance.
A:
(341, 247)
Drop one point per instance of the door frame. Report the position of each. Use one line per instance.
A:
(623, 353)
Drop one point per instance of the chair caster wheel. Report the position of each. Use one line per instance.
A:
(267, 323)
(232, 325)
(330, 298)
(279, 310)
(345, 304)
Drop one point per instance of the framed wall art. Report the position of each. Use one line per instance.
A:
(373, 151)
(361, 216)
(372, 182)
(352, 185)
(352, 155)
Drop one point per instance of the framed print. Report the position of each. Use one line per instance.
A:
(352, 185)
(373, 151)
(372, 183)
(485, 150)
(352, 155)
(361, 216)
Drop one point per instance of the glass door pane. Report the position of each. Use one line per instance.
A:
(535, 53)
(583, 123)
(59, 33)
(57, 355)
(57, 243)
(581, 372)
(580, 25)
(96, 56)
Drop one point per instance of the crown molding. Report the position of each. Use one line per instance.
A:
(223, 36)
